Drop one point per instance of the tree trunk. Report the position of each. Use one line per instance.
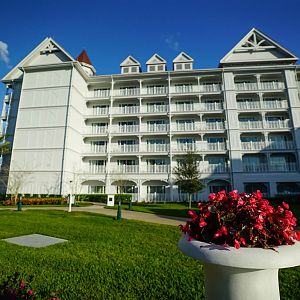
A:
(190, 200)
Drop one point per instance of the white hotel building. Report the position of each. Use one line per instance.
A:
(76, 132)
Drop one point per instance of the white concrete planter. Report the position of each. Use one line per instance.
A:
(241, 274)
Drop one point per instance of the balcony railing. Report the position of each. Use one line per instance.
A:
(212, 126)
(126, 92)
(125, 128)
(125, 148)
(100, 111)
(275, 104)
(97, 129)
(155, 108)
(126, 110)
(246, 86)
(251, 125)
(158, 147)
(218, 146)
(184, 107)
(212, 106)
(271, 85)
(213, 87)
(186, 147)
(214, 168)
(158, 168)
(268, 145)
(157, 127)
(97, 149)
(264, 167)
(278, 124)
(105, 93)
(94, 169)
(183, 89)
(186, 127)
(248, 105)
(155, 90)
(127, 169)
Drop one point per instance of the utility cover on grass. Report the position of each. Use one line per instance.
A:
(35, 240)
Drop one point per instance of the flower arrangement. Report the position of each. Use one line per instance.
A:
(247, 220)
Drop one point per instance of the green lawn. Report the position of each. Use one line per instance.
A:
(180, 209)
(107, 259)
(168, 209)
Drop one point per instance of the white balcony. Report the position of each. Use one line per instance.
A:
(213, 168)
(213, 87)
(96, 130)
(125, 128)
(123, 169)
(275, 104)
(185, 147)
(95, 169)
(155, 90)
(251, 125)
(96, 149)
(101, 93)
(246, 86)
(155, 108)
(157, 127)
(271, 85)
(264, 167)
(278, 124)
(158, 168)
(248, 105)
(127, 92)
(268, 145)
(125, 148)
(219, 146)
(183, 89)
(185, 127)
(212, 126)
(184, 107)
(158, 148)
(210, 106)
(126, 110)
(98, 111)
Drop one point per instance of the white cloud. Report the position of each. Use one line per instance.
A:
(4, 54)
(172, 42)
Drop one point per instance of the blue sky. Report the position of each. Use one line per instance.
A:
(112, 30)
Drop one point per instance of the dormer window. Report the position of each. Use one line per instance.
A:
(183, 62)
(156, 64)
(130, 65)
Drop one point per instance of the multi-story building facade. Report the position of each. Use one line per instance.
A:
(75, 132)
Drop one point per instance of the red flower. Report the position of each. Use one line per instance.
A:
(192, 214)
(22, 284)
(236, 244)
(202, 223)
(285, 205)
(30, 292)
(297, 235)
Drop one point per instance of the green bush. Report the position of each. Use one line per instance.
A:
(124, 198)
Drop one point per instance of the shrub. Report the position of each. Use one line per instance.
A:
(101, 198)
(38, 201)
(124, 198)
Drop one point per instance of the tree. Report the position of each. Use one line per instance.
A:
(4, 146)
(188, 175)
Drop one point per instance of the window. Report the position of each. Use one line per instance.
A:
(160, 68)
(96, 189)
(127, 142)
(187, 66)
(156, 162)
(246, 139)
(178, 67)
(134, 69)
(151, 68)
(216, 160)
(127, 162)
(215, 139)
(125, 70)
(156, 189)
(156, 142)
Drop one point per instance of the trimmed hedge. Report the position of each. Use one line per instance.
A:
(102, 198)
(37, 201)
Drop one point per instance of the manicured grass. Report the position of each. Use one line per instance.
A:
(181, 209)
(107, 259)
(168, 209)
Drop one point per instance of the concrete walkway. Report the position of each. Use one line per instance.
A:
(126, 214)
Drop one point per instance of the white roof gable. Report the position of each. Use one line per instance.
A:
(47, 52)
(130, 61)
(256, 47)
(182, 57)
(155, 60)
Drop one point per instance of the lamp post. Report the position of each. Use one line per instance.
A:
(70, 198)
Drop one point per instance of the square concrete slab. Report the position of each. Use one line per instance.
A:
(35, 240)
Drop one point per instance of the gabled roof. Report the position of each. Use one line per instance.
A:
(155, 59)
(130, 61)
(47, 47)
(257, 48)
(182, 57)
(83, 57)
